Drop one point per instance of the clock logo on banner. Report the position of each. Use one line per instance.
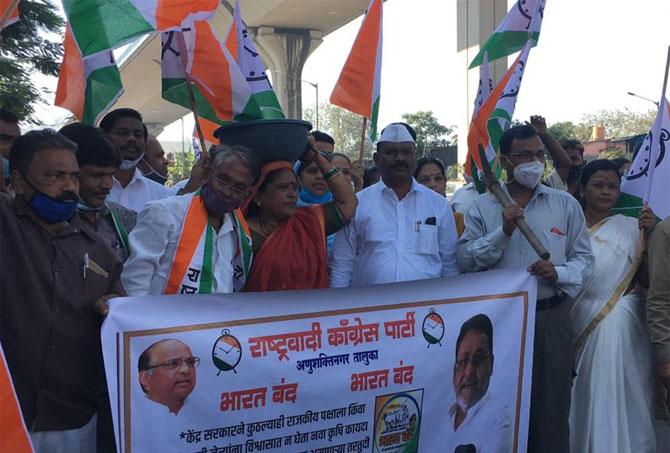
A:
(227, 352)
(433, 328)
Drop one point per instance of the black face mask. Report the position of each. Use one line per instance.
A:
(575, 173)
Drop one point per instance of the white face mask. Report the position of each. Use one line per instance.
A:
(529, 174)
(128, 164)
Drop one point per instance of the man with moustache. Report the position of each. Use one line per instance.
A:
(402, 230)
(54, 272)
(98, 161)
(475, 419)
(166, 260)
(130, 189)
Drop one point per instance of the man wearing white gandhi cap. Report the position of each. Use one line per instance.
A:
(402, 230)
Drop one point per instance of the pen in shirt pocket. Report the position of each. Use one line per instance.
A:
(417, 226)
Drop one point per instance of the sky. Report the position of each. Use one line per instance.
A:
(590, 54)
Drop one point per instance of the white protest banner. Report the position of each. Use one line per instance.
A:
(348, 370)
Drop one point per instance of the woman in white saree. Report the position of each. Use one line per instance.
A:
(612, 394)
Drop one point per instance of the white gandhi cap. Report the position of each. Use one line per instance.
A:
(396, 133)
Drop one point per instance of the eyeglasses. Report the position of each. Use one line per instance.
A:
(175, 364)
(528, 156)
(476, 360)
(237, 189)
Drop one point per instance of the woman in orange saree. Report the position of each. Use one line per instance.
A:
(289, 242)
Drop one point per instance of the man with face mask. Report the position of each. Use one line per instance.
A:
(492, 241)
(9, 131)
(167, 260)
(154, 165)
(54, 272)
(402, 230)
(130, 189)
(98, 161)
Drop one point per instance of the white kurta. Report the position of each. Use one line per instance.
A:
(487, 426)
(612, 395)
(153, 244)
(139, 191)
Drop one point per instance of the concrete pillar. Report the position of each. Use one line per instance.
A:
(285, 52)
(476, 20)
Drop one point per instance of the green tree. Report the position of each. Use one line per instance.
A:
(429, 132)
(33, 44)
(620, 122)
(181, 167)
(345, 128)
(568, 130)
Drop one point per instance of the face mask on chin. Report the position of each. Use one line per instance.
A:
(529, 174)
(154, 175)
(50, 209)
(130, 164)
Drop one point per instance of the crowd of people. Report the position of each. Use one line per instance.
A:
(86, 217)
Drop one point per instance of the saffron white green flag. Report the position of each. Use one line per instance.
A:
(648, 179)
(524, 19)
(243, 49)
(495, 115)
(99, 25)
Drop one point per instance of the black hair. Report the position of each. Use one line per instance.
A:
(571, 143)
(93, 146)
(620, 162)
(8, 116)
(109, 120)
(368, 175)
(598, 165)
(323, 137)
(332, 156)
(515, 133)
(222, 152)
(481, 323)
(28, 145)
(429, 160)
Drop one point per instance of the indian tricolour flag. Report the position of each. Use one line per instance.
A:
(197, 54)
(98, 25)
(87, 86)
(243, 49)
(495, 115)
(523, 19)
(359, 85)
(9, 13)
(13, 433)
(647, 179)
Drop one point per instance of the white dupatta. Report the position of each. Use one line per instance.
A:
(615, 243)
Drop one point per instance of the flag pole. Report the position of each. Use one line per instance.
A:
(362, 149)
(194, 109)
(8, 12)
(654, 133)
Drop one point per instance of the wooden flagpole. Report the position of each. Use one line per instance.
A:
(362, 149)
(196, 117)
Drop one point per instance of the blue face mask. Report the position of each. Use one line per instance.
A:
(5, 169)
(52, 210)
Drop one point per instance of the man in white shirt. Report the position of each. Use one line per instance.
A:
(476, 418)
(402, 230)
(130, 189)
(196, 243)
(464, 196)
